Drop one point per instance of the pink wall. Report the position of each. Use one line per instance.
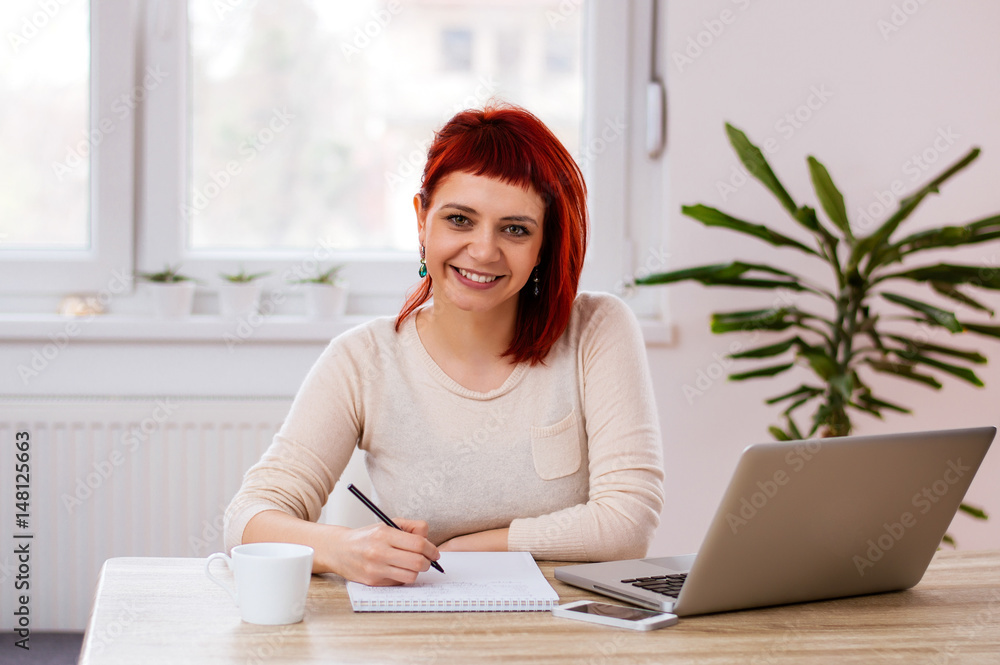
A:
(872, 84)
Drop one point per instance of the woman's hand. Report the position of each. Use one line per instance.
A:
(376, 555)
(379, 555)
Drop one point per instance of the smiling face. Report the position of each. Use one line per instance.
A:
(482, 238)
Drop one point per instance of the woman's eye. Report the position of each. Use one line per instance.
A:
(458, 220)
(516, 230)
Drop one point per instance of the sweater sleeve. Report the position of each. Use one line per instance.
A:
(308, 454)
(625, 494)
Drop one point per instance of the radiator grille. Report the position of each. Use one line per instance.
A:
(120, 477)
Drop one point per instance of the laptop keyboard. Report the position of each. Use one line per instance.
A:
(668, 585)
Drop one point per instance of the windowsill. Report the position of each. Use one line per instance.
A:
(53, 328)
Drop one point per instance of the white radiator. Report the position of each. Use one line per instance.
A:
(120, 477)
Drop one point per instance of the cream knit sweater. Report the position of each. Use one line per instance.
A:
(566, 453)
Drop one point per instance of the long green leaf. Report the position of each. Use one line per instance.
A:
(712, 217)
(779, 434)
(728, 274)
(829, 196)
(762, 372)
(963, 373)
(754, 161)
(793, 429)
(975, 511)
(940, 316)
(971, 356)
(903, 371)
(949, 273)
(768, 351)
(796, 404)
(759, 319)
(877, 403)
(949, 291)
(801, 390)
(874, 243)
(867, 409)
(821, 363)
(979, 231)
(990, 331)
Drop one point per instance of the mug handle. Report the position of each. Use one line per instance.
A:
(229, 564)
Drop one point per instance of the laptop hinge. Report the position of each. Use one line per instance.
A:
(632, 599)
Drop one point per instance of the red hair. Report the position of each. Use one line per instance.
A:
(510, 144)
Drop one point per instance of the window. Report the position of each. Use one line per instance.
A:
(66, 167)
(278, 135)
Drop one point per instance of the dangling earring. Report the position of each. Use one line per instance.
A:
(536, 281)
(423, 264)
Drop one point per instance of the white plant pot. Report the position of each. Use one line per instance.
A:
(325, 301)
(172, 300)
(238, 299)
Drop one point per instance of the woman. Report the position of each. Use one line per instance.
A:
(510, 413)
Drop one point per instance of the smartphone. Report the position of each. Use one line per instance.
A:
(615, 615)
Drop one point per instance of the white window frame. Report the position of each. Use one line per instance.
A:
(378, 281)
(23, 273)
(139, 174)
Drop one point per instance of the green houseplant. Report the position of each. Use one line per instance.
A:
(239, 294)
(326, 293)
(847, 339)
(172, 292)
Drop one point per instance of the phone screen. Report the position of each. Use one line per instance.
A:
(616, 611)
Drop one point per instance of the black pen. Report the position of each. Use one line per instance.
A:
(382, 516)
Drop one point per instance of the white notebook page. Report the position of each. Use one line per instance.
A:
(472, 582)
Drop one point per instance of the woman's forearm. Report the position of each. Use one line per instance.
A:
(494, 540)
(279, 527)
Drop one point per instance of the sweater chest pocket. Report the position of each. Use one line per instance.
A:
(555, 449)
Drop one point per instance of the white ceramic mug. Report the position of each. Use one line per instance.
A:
(272, 580)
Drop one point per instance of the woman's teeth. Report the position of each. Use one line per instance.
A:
(482, 279)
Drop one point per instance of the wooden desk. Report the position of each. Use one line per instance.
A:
(166, 611)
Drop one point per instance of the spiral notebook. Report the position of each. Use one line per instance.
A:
(472, 582)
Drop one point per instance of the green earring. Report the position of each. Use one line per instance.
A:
(423, 264)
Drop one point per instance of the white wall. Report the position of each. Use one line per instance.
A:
(886, 95)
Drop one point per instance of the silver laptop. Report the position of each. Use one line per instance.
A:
(808, 520)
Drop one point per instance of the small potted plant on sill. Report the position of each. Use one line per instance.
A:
(326, 294)
(239, 293)
(173, 293)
